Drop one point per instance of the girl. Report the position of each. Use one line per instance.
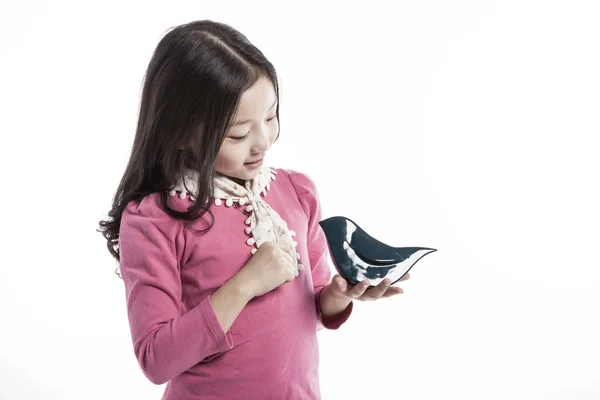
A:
(223, 261)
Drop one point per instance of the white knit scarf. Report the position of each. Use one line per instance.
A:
(264, 223)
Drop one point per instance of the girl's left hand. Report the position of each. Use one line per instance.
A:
(360, 291)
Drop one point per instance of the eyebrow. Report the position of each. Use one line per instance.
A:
(247, 120)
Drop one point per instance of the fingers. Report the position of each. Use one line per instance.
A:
(379, 290)
(362, 291)
(291, 257)
(358, 290)
(285, 257)
(293, 271)
(392, 291)
(286, 248)
(373, 293)
(288, 260)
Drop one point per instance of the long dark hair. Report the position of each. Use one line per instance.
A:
(191, 91)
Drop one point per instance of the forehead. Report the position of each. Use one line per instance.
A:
(258, 98)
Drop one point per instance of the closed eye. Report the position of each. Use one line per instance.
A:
(242, 138)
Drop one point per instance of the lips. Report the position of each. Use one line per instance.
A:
(254, 162)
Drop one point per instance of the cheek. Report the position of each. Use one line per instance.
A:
(226, 157)
(273, 131)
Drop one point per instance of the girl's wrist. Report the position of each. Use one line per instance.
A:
(242, 287)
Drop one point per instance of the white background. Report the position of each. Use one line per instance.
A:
(468, 126)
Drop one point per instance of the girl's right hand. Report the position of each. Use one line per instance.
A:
(270, 267)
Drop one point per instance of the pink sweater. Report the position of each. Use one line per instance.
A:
(271, 350)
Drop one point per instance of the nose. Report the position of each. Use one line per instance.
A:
(262, 142)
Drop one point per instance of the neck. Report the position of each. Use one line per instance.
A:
(239, 181)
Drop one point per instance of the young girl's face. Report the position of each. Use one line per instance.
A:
(251, 134)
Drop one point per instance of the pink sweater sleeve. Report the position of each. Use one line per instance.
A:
(167, 338)
(318, 250)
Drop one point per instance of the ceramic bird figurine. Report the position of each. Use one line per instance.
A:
(358, 256)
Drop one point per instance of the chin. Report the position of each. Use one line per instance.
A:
(244, 176)
(249, 177)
